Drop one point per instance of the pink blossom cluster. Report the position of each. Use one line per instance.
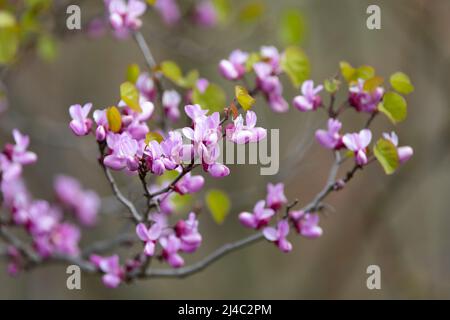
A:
(267, 71)
(124, 15)
(161, 241)
(43, 221)
(265, 211)
(127, 148)
(202, 14)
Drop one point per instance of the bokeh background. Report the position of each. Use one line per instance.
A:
(399, 222)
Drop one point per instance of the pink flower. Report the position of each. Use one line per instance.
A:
(124, 150)
(187, 232)
(205, 14)
(218, 170)
(358, 142)
(309, 100)
(205, 136)
(171, 245)
(189, 184)
(275, 196)
(102, 124)
(65, 238)
(171, 100)
(202, 84)
(18, 153)
(278, 235)
(195, 112)
(149, 236)
(124, 16)
(146, 86)
(330, 139)
(169, 11)
(404, 153)
(306, 224)
(362, 100)
(84, 203)
(111, 267)
(259, 218)
(175, 152)
(234, 67)
(80, 123)
(241, 134)
(271, 55)
(269, 83)
(96, 28)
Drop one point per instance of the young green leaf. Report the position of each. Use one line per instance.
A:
(373, 83)
(347, 70)
(172, 71)
(153, 136)
(47, 48)
(296, 64)
(223, 9)
(130, 95)
(114, 119)
(133, 72)
(212, 99)
(218, 204)
(401, 83)
(394, 107)
(244, 98)
(9, 37)
(331, 85)
(252, 11)
(386, 154)
(292, 27)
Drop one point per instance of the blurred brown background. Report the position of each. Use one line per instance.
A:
(398, 222)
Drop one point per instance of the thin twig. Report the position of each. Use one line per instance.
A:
(202, 264)
(106, 245)
(124, 200)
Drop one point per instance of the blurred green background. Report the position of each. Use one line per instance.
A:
(398, 222)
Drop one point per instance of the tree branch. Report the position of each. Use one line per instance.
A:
(124, 200)
(202, 264)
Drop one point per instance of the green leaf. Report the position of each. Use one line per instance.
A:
(386, 154)
(114, 119)
(218, 204)
(9, 44)
(296, 64)
(47, 48)
(223, 9)
(244, 98)
(347, 70)
(252, 11)
(172, 71)
(212, 99)
(153, 136)
(292, 27)
(331, 85)
(133, 72)
(9, 37)
(372, 84)
(181, 201)
(394, 107)
(130, 95)
(7, 19)
(401, 83)
(364, 72)
(351, 74)
(168, 175)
